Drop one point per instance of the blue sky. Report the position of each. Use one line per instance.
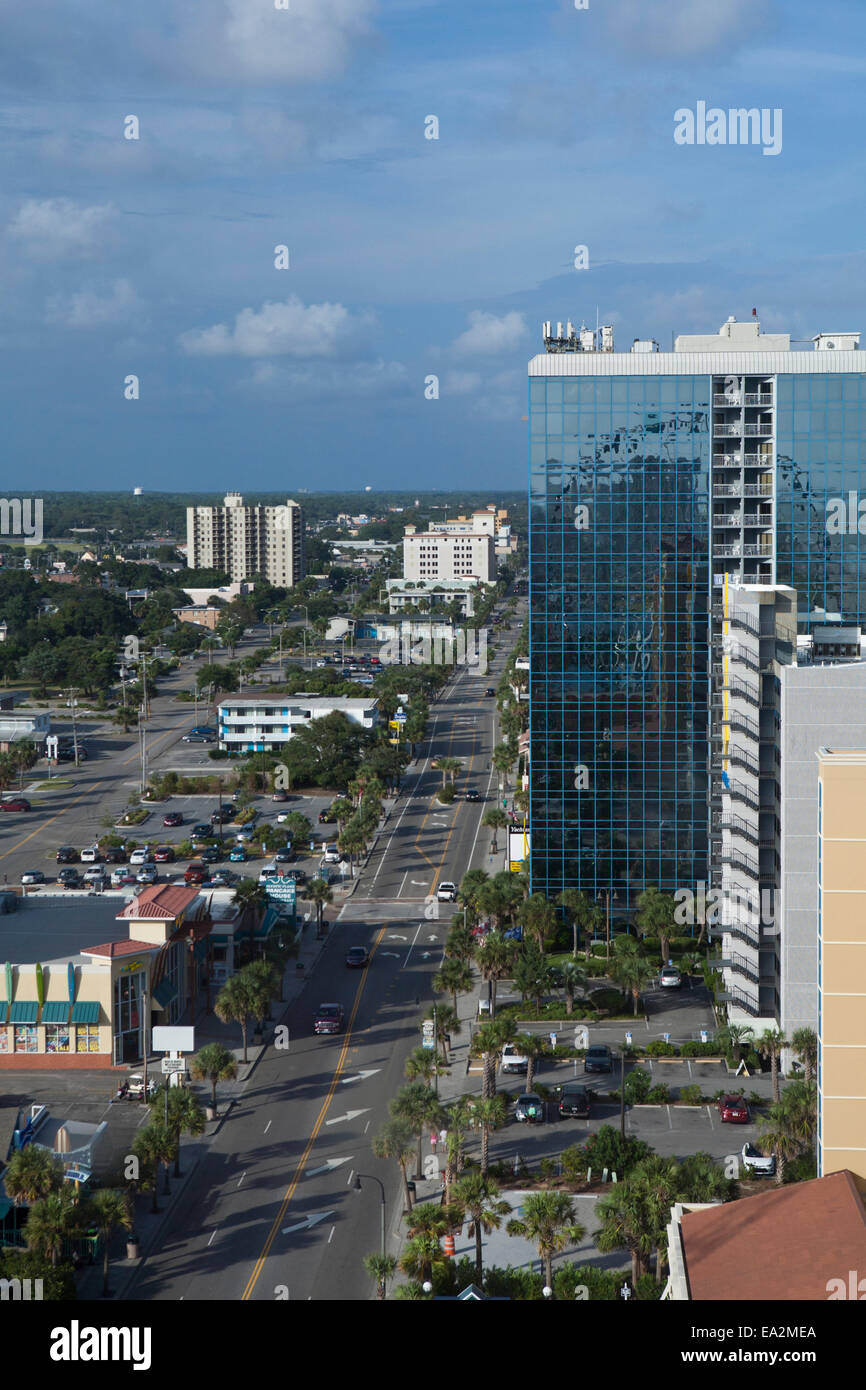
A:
(409, 257)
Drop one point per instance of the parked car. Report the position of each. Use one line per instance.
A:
(756, 1164)
(280, 796)
(733, 1110)
(245, 834)
(15, 803)
(223, 878)
(66, 754)
(329, 1019)
(297, 874)
(283, 856)
(513, 1059)
(141, 856)
(163, 854)
(121, 878)
(670, 977)
(209, 854)
(199, 738)
(114, 855)
(32, 876)
(66, 855)
(446, 892)
(203, 729)
(201, 830)
(148, 873)
(574, 1100)
(489, 691)
(91, 855)
(513, 934)
(69, 878)
(172, 818)
(325, 817)
(529, 1108)
(357, 957)
(238, 855)
(331, 855)
(598, 1058)
(196, 873)
(135, 1086)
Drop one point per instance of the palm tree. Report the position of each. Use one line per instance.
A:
(497, 820)
(457, 1121)
(319, 893)
(479, 1197)
(658, 1181)
(573, 978)
(109, 1209)
(805, 1044)
(343, 809)
(488, 1041)
(184, 1115)
(548, 1219)
(538, 917)
(449, 767)
(495, 960)
(630, 969)
(582, 913)
(531, 1046)
(732, 1038)
(214, 1063)
(353, 842)
(423, 1065)
(423, 1256)
(486, 1113)
(779, 1132)
(249, 893)
(460, 944)
(504, 755)
(238, 1000)
(454, 977)
(702, 1180)
(381, 1268)
(655, 918)
(625, 1223)
(52, 1220)
(32, 1173)
(418, 1105)
(770, 1044)
(471, 885)
(446, 1023)
(395, 1141)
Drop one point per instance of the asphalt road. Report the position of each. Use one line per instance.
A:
(273, 1212)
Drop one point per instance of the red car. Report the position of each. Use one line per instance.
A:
(329, 1019)
(15, 803)
(733, 1110)
(172, 818)
(163, 854)
(196, 873)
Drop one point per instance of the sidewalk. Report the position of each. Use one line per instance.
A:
(150, 1226)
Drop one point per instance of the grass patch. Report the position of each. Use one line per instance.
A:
(49, 786)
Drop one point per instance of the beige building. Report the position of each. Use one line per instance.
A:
(841, 961)
(245, 541)
(448, 555)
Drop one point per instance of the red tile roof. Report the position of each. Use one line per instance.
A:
(120, 948)
(785, 1243)
(160, 900)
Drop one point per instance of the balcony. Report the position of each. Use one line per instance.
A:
(758, 460)
(727, 518)
(728, 490)
(733, 402)
(755, 429)
(763, 551)
(757, 490)
(727, 431)
(762, 520)
(760, 399)
(727, 460)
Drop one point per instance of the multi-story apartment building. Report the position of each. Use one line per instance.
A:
(436, 554)
(658, 479)
(263, 723)
(245, 541)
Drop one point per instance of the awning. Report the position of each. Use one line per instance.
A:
(24, 1011)
(164, 992)
(58, 1012)
(84, 1012)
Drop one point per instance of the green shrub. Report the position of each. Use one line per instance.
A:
(217, 753)
(637, 1087)
(611, 1001)
(691, 1094)
(660, 1048)
(602, 1285)
(446, 794)
(659, 1095)
(648, 1289)
(802, 1169)
(700, 1049)
(547, 1168)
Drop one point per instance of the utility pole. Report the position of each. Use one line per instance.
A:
(72, 702)
(622, 1091)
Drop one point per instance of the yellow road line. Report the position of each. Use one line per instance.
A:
(280, 1216)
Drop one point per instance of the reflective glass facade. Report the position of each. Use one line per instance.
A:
(620, 583)
(821, 460)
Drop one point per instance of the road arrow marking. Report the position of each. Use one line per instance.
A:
(395, 936)
(349, 1115)
(308, 1222)
(362, 1075)
(425, 955)
(417, 883)
(327, 1167)
(395, 954)
(432, 938)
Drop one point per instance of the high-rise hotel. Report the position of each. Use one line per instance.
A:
(246, 541)
(695, 524)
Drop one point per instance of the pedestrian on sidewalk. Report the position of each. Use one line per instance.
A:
(434, 1139)
(443, 1137)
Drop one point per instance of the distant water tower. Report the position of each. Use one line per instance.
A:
(137, 491)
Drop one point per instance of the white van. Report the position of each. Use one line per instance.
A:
(268, 872)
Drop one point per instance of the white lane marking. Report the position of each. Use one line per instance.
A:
(412, 947)
(350, 1177)
(308, 1222)
(362, 1075)
(367, 1126)
(268, 1125)
(242, 1176)
(213, 1233)
(403, 884)
(395, 936)
(409, 795)
(331, 1236)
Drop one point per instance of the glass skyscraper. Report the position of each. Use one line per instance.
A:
(653, 476)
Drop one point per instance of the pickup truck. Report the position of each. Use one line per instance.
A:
(329, 1019)
(513, 1059)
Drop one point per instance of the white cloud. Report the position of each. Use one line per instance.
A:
(321, 380)
(251, 39)
(285, 328)
(488, 333)
(460, 383)
(686, 28)
(87, 308)
(54, 227)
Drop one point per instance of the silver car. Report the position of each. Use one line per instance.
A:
(33, 876)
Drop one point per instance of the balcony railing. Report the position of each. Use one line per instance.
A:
(734, 401)
(754, 429)
(727, 460)
(727, 518)
(727, 431)
(762, 520)
(757, 398)
(727, 489)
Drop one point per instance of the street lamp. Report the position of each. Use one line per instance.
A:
(358, 1187)
(306, 612)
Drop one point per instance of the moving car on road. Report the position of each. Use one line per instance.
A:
(357, 957)
(199, 738)
(598, 1058)
(471, 794)
(329, 1019)
(446, 892)
(15, 803)
(733, 1110)
(529, 1108)
(574, 1100)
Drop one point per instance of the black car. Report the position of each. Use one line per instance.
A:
(114, 856)
(283, 856)
(297, 874)
(357, 957)
(574, 1100)
(172, 818)
(471, 794)
(67, 755)
(67, 855)
(325, 817)
(200, 831)
(70, 878)
(210, 854)
(598, 1058)
(490, 690)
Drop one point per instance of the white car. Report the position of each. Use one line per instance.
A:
(321, 663)
(513, 1059)
(96, 875)
(670, 977)
(91, 855)
(139, 856)
(758, 1165)
(135, 1085)
(332, 855)
(121, 877)
(244, 834)
(446, 892)
(33, 876)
